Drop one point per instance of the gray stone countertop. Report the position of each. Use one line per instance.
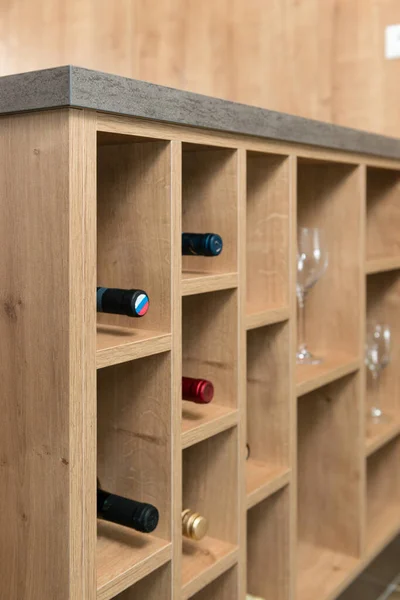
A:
(82, 88)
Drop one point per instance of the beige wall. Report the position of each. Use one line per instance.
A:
(317, 58)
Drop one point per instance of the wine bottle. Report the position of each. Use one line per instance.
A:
(131, 303)
(194, 526)
(136, 515)
(199, 391)
(201, 244)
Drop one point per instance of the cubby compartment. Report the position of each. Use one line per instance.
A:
(134, 242)
(268, 410)
(383, 495)
(210, 351)
(134, 460)
(210, 205)
(223, 588)
(268, 548)
(329, 487)
(205, 466)
(267, 238)
(330, 197)
(383, 219)
(383, 306)
(156, 586)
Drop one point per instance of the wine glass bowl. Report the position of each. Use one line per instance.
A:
(312, 262)
(377, 358)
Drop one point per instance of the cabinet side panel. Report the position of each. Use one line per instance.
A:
(34, 323)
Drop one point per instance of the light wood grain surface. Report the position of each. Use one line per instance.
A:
(319, 60)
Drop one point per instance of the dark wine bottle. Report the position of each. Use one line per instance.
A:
(199, 391)
(194, 526)
(136, 515)
(201, 244)
(131, 303)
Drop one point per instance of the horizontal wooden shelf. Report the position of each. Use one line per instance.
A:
(266, 317)
(311, 377)
(194, 282)
(322, 573)
(201, 421)
(262, 480)
(125, 556)
(116, 345)
(203, 562)
(383, 528)
(379, 265)
(379, 434)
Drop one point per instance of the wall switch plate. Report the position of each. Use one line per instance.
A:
(392, 41)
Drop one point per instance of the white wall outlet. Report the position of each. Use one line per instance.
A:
(392, 41)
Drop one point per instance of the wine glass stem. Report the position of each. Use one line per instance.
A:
(301, 325)
(375, 390)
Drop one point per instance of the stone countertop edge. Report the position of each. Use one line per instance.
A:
(77, 87)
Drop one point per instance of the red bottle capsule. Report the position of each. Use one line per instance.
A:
(199, 391)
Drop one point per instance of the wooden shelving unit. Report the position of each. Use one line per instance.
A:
(94, 198)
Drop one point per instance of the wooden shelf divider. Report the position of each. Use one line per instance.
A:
(115, 345)
(312, 377)
(262, 481)
(267, 317)
(124, 557)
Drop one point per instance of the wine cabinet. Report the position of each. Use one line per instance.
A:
(100, 177)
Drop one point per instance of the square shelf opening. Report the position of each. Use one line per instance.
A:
(268, 547)
(329, 465)
(134, 461)
(329, 195)
(134, 234)
(210, 351)
(267, 238)
(383, 494)
(383, 215)
(268, 405)
(205, 466)
(329, 487)
(210, 205)
(155, 586)
(224, 587)
(383, 306)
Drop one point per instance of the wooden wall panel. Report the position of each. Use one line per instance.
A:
(317, 58)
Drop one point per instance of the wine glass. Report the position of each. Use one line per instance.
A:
(312, 261)
(377, 357)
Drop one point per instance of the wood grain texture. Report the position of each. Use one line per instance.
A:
(134, 433)
(328, 194)
(383, 301)
(317, 59)
(268, 559)
(383, 493)
(209, 205)
(263, 480)
(48, 382)
(210, 342)
(267, 222)
(124, 557)
(203, 562)
(134, 227)
(204, 467)
(383, 214)
(156, 585)
(268, 394)
(329, 473)
(115, 345)
(223, 588)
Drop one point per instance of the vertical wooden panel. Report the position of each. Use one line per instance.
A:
(47, 393)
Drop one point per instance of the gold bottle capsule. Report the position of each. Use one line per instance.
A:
(194, 526)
